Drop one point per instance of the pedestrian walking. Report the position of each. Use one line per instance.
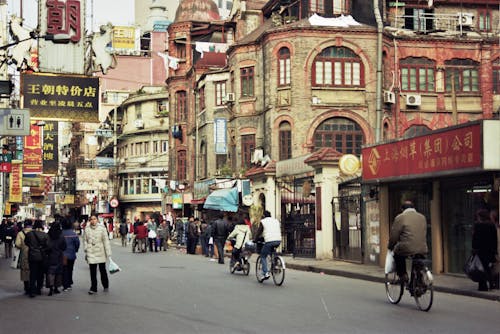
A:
(97, 252)
(220, 232)
(57, 246)
(23, 255)
(192, 235)
(204, 237)
(9, 238)
(152, 234)
(123, 233)
(69, 257)
(38, 244)
(210, 242)
(163, 235)
(484, 244)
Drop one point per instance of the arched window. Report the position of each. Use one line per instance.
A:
(285, 138)
(181, 165)
(284, 67)
(342, 134)
(418, 75)
(416, 130)
(339, 67)
(464, 73)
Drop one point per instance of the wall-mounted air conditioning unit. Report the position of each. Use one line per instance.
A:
(139, 124)
(465, 19)
(230, 97)
(389, 97)
(413, 100)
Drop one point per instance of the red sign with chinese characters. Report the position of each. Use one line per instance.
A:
(32, 158)
(63, 17)
(448, 150)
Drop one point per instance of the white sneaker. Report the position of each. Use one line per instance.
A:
(266, 276)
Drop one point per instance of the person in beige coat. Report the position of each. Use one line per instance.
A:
(23, 255)
(97, 252)
(408, 236)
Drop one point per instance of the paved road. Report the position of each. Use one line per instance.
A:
(177, 293)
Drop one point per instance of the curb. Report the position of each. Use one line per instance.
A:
(365, 277)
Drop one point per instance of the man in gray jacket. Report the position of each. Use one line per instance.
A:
(408, 237)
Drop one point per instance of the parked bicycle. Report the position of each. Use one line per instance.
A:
(420, 286)
(275, 262)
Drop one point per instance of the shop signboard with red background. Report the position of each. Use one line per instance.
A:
(454, 149)
(32, 157)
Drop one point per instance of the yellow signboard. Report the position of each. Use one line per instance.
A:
(124, 38)
(16, 182)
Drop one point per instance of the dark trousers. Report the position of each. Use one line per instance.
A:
(219, 243)
(37, 270)
(152, 241)
(68, 274)
(400, 264)
(93, 276)
(191, 245)
(204, 245)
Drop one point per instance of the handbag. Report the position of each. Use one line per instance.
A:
(390, 263)
(151, 234)
(14, 264)
(113, 267)
(474, 269)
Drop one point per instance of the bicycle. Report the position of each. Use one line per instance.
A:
(420, 286)
(277, 265)
(242, 264)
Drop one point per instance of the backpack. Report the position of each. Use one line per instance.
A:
(123, 229)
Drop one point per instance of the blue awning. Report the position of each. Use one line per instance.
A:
(222, 200)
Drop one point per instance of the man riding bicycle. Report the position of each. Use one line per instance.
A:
(408, 237)
(270, 229)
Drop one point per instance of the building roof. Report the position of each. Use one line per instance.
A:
(197, 10)
(325, 154)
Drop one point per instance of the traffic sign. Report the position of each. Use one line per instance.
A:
(114, 202)
(14, 122)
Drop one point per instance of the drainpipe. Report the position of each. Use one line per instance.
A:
(378, 106)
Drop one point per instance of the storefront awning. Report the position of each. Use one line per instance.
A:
(223, 200)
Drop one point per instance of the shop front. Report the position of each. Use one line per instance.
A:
(449, 174)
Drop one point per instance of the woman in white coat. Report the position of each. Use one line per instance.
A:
(242, 234)
(97, 251)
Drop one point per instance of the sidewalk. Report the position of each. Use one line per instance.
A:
(454, 284)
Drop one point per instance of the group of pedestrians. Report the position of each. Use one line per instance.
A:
(46, 257)
(146, 234)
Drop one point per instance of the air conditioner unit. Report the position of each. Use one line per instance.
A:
(413, 100)
(465, 19)
(389, 97)
(230, 97)
(139, 124)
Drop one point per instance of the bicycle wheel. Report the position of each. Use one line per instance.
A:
(258, 270)
(394, 287)
(423, 289)
(278, 270)
(246, 267)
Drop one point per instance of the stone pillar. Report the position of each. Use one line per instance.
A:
(326, 181)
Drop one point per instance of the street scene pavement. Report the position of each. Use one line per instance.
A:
(172, 292)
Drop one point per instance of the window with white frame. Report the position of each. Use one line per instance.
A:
(284, 67)
(338, 66)
(220, 92)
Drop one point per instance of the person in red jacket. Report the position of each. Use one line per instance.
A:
(141, 236)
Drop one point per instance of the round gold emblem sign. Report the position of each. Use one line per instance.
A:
(349, 164)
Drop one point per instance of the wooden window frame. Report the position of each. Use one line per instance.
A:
(340, 131)
(247, 82)
(496, 76)
(181, 165)
(484, 19)
(330, 65)
(417, 75)
(181, 106)
(247, 148)
(284, 67)
(285, 141)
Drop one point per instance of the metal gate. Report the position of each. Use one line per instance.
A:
(348, 232)
(299, 236)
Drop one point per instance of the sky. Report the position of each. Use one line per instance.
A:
(118, 12)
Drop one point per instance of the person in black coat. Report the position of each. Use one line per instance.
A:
(484, 244)
(38, 244)
(57, 245)
(220, 231)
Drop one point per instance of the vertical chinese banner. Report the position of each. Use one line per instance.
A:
(6, 164)
(50, 148)
(16, 182)
(32, 159)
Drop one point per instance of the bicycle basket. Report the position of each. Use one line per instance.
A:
(250, 246)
